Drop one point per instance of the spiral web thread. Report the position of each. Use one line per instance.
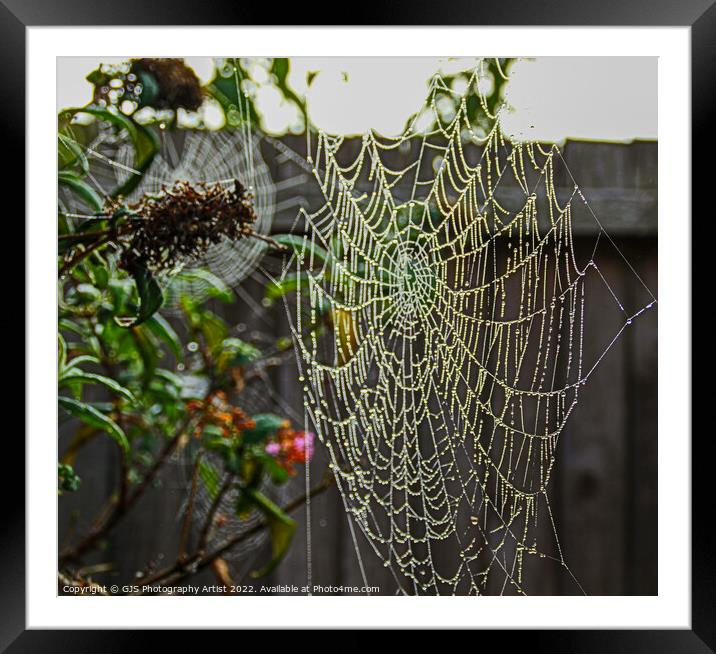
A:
(193, 156)
(197, 156)
(257, 397)
(456, 351)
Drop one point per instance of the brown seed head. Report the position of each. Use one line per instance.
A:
(182, 222)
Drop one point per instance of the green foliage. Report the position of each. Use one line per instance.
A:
(144, 141)
(281, 528)
(230, 85)
(288, 285)
(129, 372)
(83, 190)
(234, 352)
(95, 418)
(150, 383)
(67, 479)
(71, 156)
(209, 476)
(309, 252)
(266, 425)
(479, 107)
(149, 294)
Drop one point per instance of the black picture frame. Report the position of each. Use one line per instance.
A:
(700, 15)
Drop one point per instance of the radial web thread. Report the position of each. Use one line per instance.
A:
(453, 354)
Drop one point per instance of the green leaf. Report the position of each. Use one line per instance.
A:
(144, 140)
(82, 189)
(281, 527)
(150, 294)
(65, 244)
(216, 432)
(61, 353)
(73, 327)
(100, 275)
(279, 474)
(226, 91)
(67, 478)
(303, 247)
(159, 326)
(98, 78)
(78, 360)
(169, 378)
(150, 297)
(209, 476)
(267, 424)
(213, 328)
(235, 352)
(92, 416)
(289, 284)
(150, 89)
(75, 376)
(86, 233)
(71, 154)
(88, 294)
(217, 288)
(147, 352)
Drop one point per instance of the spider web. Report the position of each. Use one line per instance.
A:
(258, 396)
(452, 348)
(193, 156)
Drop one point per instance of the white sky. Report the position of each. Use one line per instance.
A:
(611, 98)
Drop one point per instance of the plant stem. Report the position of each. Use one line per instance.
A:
(206, 529)
(102, 526)
(267, 239)
(83, 254)
(100, 232)
(106, 236)
(184, 537)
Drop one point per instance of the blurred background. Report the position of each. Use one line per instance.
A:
(603, 114)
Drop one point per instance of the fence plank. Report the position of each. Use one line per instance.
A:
(592, 448)
(642, 371)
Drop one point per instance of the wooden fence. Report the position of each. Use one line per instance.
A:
(604, 490)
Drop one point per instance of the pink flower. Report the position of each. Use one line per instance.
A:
(303, 444)
(274, 449)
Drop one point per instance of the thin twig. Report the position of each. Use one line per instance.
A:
(267, 239)
(118, 509)
(184, 537)
(83, 254)
(206, 529)
(79, 235)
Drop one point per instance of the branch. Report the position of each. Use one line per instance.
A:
(206, 529)
(102, 526)
(184, 537)
(105, 236)
(83, 254)
(200, 560)
(267, 239)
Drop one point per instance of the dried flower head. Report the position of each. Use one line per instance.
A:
(153, 82)
(182, 222)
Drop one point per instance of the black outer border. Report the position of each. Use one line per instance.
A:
(15, 15)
